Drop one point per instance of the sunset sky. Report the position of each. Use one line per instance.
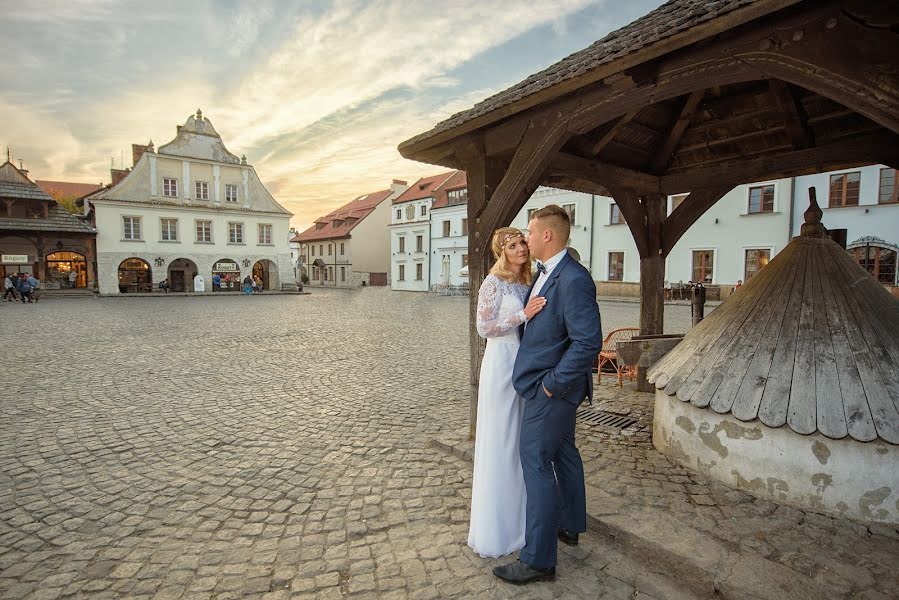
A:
(316, 94)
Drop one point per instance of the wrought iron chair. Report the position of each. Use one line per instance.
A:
(609, 354)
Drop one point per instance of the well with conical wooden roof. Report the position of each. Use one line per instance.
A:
(790, 389)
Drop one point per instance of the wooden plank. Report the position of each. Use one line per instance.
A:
(776, 397)
(603, 141)
(854, 151)
(605, 173)
(663, 156)
(749, 396)
(875, 366)
(670, 372)
(698, 367)
(802, 404)
(857, 414)
(703, 335)
(793, 115)
(755, 341)
(829, 414)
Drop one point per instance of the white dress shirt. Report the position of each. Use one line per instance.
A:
(549, 266)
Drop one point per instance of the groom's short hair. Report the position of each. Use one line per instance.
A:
(556, 218)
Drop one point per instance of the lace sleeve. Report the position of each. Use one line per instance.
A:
(490, 322)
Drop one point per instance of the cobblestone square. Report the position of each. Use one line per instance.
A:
(266, 446)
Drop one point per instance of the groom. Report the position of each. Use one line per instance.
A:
(553, 374)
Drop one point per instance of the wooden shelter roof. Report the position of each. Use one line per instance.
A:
(811, 341)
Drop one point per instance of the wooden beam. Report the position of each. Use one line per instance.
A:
(878, 147)
(682, 218)
(545, 136)
(628, 201)
(603, 173)
(793, 114)
(603, 141)
(652, 276)
(663, 157)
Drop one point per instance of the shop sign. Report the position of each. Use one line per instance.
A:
(14, 259)
(225, 266)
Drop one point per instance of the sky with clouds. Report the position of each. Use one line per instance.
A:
(317, 94)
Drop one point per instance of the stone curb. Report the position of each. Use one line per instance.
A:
(199, 294)
(695, 558)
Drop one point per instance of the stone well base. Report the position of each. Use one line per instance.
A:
(841, 477)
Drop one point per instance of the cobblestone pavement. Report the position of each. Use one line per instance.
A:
(847, 558)
(266, 446)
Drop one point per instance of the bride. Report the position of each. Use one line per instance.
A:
(497, 493)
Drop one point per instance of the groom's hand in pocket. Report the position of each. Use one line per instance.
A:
(534, 306)
(546, 391)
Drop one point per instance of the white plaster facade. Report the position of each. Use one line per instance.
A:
(191, 205)
(727, 231)
(449, 253)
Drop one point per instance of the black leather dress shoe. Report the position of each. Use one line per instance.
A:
(520, 573)
(567, 537)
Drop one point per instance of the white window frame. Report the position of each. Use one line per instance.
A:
(197, 231)
(231, 232)
(163, 231)
(140, 229)
(201, 190)
(745, 249)
(170, 184)
(229, 187)
(260, 227)
(714, 252)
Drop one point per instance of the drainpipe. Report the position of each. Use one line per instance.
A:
(792, 201)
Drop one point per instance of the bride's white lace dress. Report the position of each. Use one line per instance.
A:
(497, 493)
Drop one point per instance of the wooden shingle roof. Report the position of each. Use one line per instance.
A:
(811, 341)
(675, 24)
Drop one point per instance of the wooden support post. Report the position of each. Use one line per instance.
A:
(484, 175)
(652, 277)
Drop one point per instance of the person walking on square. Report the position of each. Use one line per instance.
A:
(257, 283)
(553, 374)
(73, 278)
(497, 492)
(248, 285)
(9, 288)
(216, 282)
(25, 288)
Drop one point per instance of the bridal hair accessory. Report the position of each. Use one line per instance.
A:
(510, 236)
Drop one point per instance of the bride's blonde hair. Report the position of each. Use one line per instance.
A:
(501, 238)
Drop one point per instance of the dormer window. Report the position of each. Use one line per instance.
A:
(336, 223)
(319, 226)
(424, 186)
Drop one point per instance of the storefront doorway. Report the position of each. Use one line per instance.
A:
(229, 272)
(135, 276)
(61, 265)
(265, 270)
(181, 275)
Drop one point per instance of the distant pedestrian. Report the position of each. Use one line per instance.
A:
(9, 288)
(25, 289)
(73, 279)
(164, 285)
(257, 283)
(227, 281)
(247, 285)
(216, 282)
(35, 288)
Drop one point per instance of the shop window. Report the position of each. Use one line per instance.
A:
(844, 189)
(761, 199)
(889, 186)
(616, 266)
(703, 266)
(756, 258)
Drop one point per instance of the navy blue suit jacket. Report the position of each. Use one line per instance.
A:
(559, 345)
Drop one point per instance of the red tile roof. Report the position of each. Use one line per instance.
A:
(457, 181)
(335, 224)
(423, 188)
(67, 189)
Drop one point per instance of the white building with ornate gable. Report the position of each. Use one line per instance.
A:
(191, 208)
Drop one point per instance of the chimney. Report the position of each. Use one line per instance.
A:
(137, 150)
(398, 186)
(118, 175)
